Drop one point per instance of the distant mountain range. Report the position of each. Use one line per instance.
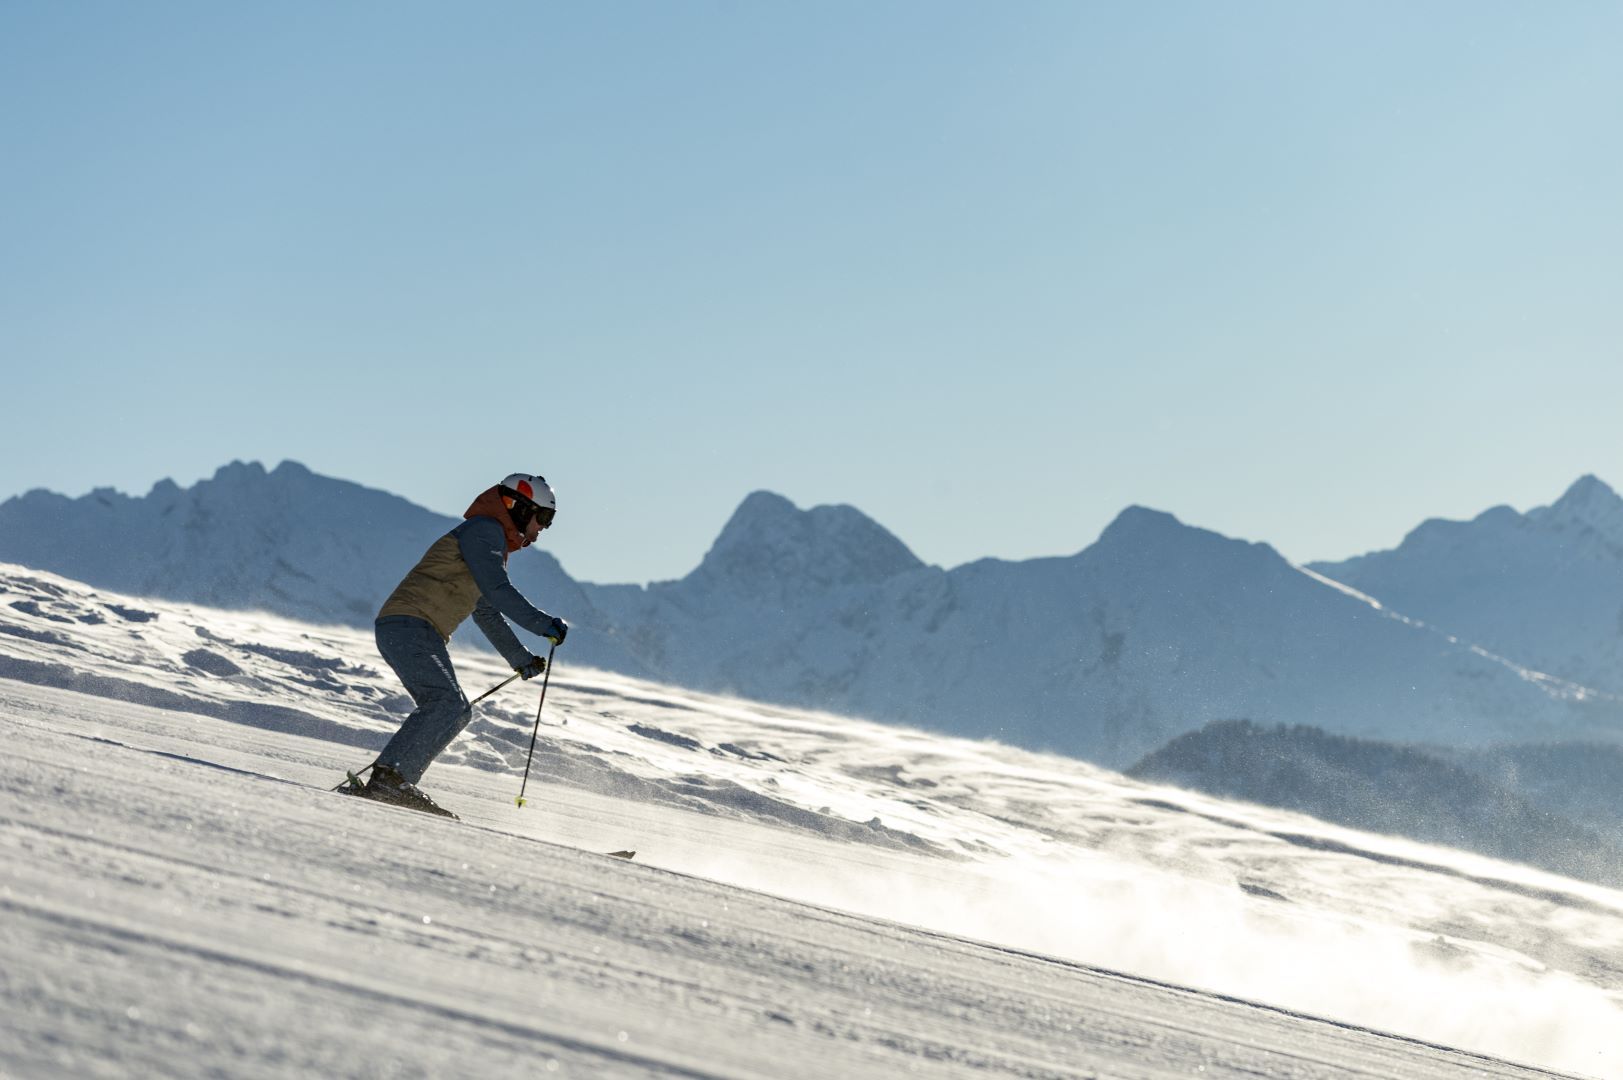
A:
(1154, 630)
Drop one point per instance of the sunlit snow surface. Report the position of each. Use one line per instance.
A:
(127, 812)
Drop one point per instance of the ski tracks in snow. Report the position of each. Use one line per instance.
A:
(165, 917)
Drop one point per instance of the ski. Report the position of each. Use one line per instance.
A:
(354, 785)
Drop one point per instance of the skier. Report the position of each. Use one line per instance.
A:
(464, 572)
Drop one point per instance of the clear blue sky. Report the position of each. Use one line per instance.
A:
(1298, 272)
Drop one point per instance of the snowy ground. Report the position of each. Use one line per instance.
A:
(813, 896)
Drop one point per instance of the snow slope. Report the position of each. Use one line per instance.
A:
(814, 895)
(1545, 587)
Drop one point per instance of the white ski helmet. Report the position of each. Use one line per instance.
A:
(529, 496)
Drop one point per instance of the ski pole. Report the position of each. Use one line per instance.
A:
(493, 689)
(546, 678)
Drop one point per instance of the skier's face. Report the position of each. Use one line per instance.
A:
(539, 521)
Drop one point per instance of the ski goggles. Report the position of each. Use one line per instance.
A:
(526, 510)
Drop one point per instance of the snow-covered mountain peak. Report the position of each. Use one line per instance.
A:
(1139, 532)
(1137, 521)
(759, 510)
(770, 545)
(1590, 489)
(1440, 535)
(291, 498)
(107, 495)
(253, 476)
(286, 540)
(1544, 587)
(1588, 505)
(251, 479)
(1146, 538)
(239, 472)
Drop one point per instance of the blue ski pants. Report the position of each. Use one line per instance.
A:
(417, 653)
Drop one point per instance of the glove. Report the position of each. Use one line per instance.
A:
(532, 667)
(557, 632)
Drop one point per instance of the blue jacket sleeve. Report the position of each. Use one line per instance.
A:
(483, 545)
(489, 620)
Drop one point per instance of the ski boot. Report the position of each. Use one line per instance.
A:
(388, 786)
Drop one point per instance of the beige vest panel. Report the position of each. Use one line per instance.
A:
(439, 589)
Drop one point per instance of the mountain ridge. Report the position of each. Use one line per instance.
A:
(1154, 629)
